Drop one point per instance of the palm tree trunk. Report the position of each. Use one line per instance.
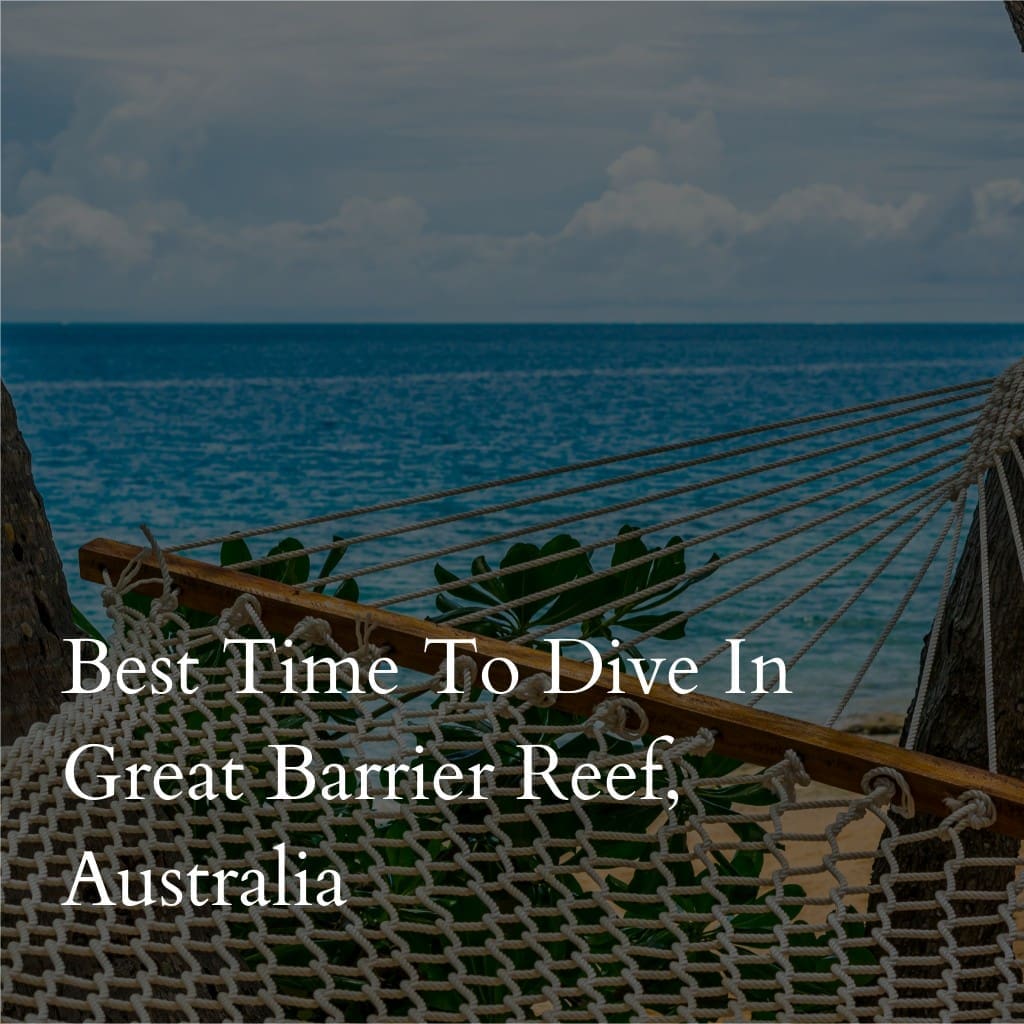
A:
(35, 615)
(953, 726)
(1015, 9)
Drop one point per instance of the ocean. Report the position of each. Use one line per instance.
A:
(203, 429)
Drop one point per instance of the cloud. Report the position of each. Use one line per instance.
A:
(390, 220)
(696, 217)
(818, 207)
(685, 212)
(651, 245)
(692, 146)
(500, 161)
(680, 149)
(999, 208)
(62, 225)
(641, 163)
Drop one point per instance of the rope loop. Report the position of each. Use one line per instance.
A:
(244, 611)
(162, 602)
(614, 716)
(316, 631)
(890, 784)
(364, 630)
(701, 743)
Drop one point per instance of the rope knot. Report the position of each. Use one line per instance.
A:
(536, 690)
(790, 774)
(701, 743)
(613, 716)
(244, 611)
(364, 630)
(316, 631)
(166, 604)
(890, 783)
(973, 807)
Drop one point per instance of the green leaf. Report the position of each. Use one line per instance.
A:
(630, 581)
(540, 578)
(670, 566)
(292, 570)
(234, 551)
(334, 556)
(583, 591)
(470, 593)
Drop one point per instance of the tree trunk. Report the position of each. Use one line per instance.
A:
(1015, 9)
(36, 609)
(953, 726)
(953, 717)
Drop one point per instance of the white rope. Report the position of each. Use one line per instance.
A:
(644, 474)
(959, 392)
(917, 503)
(636, 533)
(709, 908)
(1011, 511)
(932, 507)
(658, 588)
(776, 570)
(933, 637)
(986, 619)
(995, 424)
(1015, 448)
(894, 618)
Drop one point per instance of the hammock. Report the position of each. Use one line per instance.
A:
(796, 872)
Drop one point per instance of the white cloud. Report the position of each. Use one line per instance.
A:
(641, 163)
(685, 212)
(681, 150)
(819, 206)
(65, 226)
(999, 208)
(696, 217)
(691, 147)
(497, 160)
(645, 249)
(391, 220)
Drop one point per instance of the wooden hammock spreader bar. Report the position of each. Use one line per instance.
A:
(758, 737)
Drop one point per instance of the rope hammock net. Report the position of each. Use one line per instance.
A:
(801, 874)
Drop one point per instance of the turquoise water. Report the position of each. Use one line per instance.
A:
(203, 429)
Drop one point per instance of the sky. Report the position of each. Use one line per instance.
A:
(500, 162)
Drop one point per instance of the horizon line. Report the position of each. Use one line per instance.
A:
(507, 323)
